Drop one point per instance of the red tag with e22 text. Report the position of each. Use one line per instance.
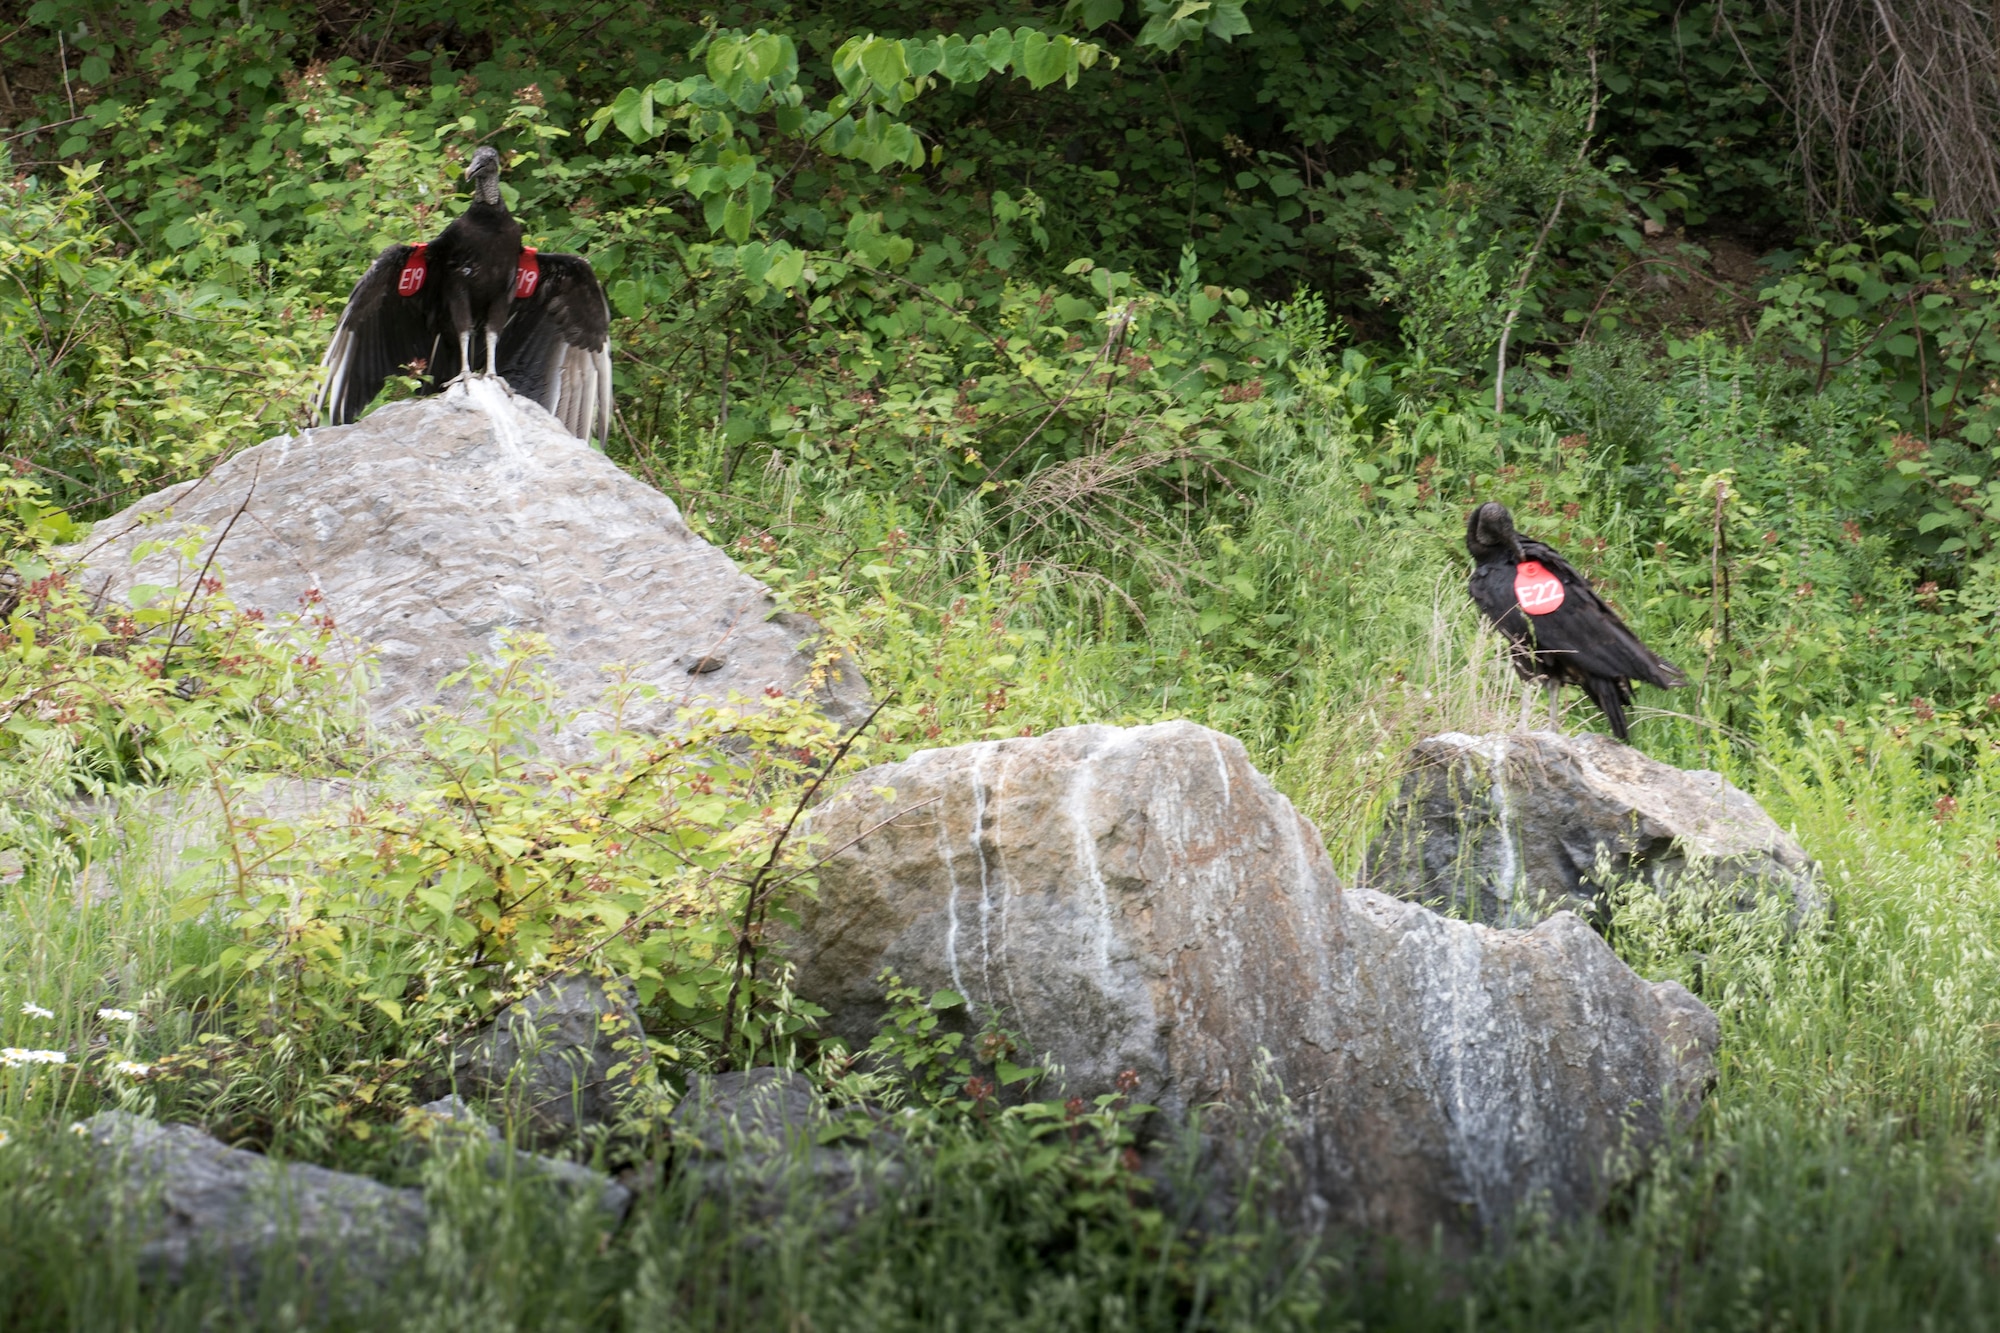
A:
(1538, 591)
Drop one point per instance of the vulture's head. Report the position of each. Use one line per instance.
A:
(484, 173)
(1489, 532)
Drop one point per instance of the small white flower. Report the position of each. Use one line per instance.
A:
(131, 1069)
(118, 1015)
(16, 1055)
(78, 1128)
(5, 1138)
(36, 1011)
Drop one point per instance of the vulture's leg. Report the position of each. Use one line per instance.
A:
(458, 308)
(1555, 722)
(1527, 704)
(464, 359)
(492, 353)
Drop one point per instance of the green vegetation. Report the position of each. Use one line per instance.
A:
(1108, 361)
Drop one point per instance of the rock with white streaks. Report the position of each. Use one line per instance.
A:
(1143, 900)
(430, 527)
(1511, 828)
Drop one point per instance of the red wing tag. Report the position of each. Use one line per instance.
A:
(411, 280)
(1538, 591)
(527, 274)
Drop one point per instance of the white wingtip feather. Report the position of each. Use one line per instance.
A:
(336, 382)
(578, 376)
(586, 405)
(604, 395)
(323, 400)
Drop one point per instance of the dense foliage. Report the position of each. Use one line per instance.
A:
(1103, 361)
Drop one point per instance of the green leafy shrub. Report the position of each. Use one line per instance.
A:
(171, 688)
(120, 372)
(393, 922)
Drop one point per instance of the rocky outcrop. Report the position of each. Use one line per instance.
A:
(568, 1055)
(1144, 900)
(1509, 829)
(197, 1201)
(431, 526)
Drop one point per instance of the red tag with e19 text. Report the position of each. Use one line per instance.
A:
(527, 274)
(1538, 591)
(411, 280)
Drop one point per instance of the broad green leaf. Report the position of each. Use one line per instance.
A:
(883, 60)
(786, 268)
(771, 56)
(1094, 14)
(627, 115)
(962, 62)
(923, 58)
(1042, 61)
(1228, 20)
(997, 48)
(736, 219)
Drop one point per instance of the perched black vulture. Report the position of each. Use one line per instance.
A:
(470, 301)
(1560, 630)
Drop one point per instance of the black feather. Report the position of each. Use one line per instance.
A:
(1582, 642)
(553, 346)
(557, 346)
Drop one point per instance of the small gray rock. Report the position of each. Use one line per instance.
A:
(566, 1056)
(455, 1119)
(1510, 829)
(755, 1135)
(770, 1109)
(197, 1200)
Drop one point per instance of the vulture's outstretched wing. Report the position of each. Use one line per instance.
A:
(379, 333)
(556, 348)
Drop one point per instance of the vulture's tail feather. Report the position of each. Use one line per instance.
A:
(1604, 692)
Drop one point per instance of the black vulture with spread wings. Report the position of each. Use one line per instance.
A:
(1560, 630)
(476, 302)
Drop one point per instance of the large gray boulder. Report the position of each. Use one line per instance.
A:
(1143, 899)
(195, 1200)
(1509, 829)
(431, 526)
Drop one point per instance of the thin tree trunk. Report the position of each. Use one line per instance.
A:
(1535, 251)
